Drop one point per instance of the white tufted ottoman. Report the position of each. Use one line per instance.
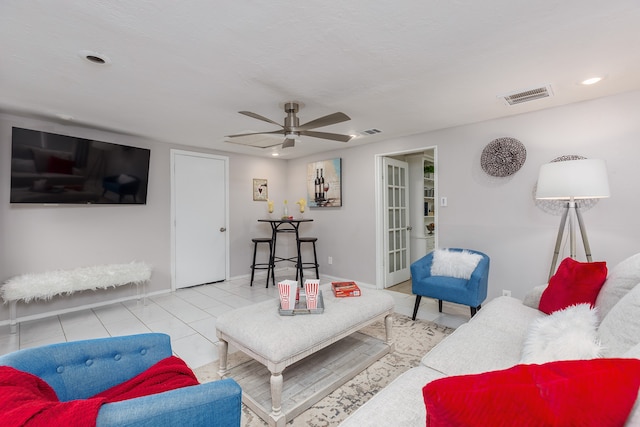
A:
(278, 342)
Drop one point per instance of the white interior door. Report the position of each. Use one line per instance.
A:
(199, 201)
(396, 221)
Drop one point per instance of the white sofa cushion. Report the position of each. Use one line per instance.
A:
(492, 340)
(633, 352)
(620, 329)
(622, 278)
(398, 404)
(567, 334)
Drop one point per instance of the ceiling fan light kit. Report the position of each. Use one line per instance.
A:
(292, 130)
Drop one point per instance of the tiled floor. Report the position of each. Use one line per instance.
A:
(188, 316)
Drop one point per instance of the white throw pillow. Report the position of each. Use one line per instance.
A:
(459, 264)
(569, 334)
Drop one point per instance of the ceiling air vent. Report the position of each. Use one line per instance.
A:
(369, 132)
(527, 95)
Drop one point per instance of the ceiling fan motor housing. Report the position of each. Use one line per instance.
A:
(290, 107)
(291, 121)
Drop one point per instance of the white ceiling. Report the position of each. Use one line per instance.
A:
(180, 71)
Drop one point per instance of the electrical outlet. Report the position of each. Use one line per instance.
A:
(330, 260)
(506, 293)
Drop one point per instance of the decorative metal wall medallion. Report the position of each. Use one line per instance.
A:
(503, 157)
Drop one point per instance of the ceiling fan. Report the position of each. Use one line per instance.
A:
(292, 128)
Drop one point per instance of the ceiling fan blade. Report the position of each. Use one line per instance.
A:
(259, 117)
(253, 145)
(327, 135)
(288, 143)
(271, 146)
(325, 121)
(254, 133)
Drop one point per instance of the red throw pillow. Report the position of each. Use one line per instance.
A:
(574, 283)
(586, 393)
(58, 165)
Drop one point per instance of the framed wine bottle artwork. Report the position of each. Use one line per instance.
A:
(324, 183)
(260, 190)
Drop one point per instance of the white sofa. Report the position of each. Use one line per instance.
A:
(494, 339)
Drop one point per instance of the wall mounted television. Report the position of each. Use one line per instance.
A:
(48, 168)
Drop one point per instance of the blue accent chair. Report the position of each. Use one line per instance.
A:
(470, 292)
(81, 369)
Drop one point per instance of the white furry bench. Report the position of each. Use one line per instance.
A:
(45, 286)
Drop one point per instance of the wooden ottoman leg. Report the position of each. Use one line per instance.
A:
(388, 329)
(276, 399)
(223, 348)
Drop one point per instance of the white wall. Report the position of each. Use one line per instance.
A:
(497, 215)
(38, 238)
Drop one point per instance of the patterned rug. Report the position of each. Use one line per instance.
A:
(412, 338)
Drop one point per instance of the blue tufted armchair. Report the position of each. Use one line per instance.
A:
(470, 292)
(81, 369)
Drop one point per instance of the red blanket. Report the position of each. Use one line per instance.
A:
(26, 400)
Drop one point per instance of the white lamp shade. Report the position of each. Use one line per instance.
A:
(578, 179)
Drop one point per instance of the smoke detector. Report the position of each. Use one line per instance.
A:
(527, 95)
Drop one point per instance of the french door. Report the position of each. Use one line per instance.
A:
(396, 221)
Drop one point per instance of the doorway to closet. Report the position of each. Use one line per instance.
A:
(199, 218)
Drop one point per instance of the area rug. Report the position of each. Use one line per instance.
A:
(413, 339)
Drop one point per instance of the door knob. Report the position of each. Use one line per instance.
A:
(222, 229)
(409, 228)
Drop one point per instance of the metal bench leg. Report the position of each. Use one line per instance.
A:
(13, 312)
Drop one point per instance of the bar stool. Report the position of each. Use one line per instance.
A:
(263, 265)
(313, 264)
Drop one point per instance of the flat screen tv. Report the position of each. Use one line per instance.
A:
(59, 169)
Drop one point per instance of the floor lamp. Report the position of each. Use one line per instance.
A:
(572, 180)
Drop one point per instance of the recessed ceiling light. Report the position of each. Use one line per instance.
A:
(275, 154)
(94, 57)
(591, 81)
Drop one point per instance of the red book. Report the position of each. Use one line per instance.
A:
(345, 289)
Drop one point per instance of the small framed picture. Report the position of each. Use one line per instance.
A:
(260, 190)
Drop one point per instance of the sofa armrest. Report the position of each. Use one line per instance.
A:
(532, 298)
(216, 404)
